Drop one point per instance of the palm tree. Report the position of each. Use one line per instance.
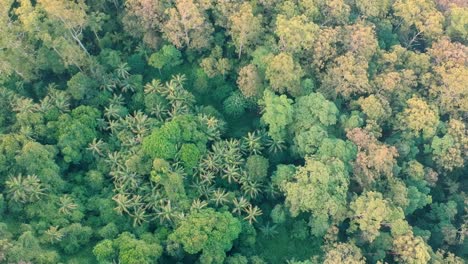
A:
(96, 147)
(138, 122)
(123, 203)
(112, 111)
(159, 110)
(211, 162)
(231, 173)
(252, 213)
(213, 125)
(67, 205)
(142, 49)
(155, 86)
(113, 126)
(60, 99)
(252, 143)
(251, 188)
(114, 159)
(109, 84)
(239, 205)
(198, 204)
(203, 189)
(269, 230)
(24, 189)
(24, 105)
(219, 197)
(139, 216)
(117, 99)
(153, 199)
(275, 146)
(123, 70)
(233, 153)
(127, 86)
(167, 214)
(179, 79)
(53, 234)
(206, 176)
(271, 190)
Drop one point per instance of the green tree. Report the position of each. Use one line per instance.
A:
(128, 250)
(257, 167)
(411, 249)
(296, 35)
(76, 131)
(319, 187)
(209, 232)
(457, 24)
(344, 253)
(244, 27)
(277, 114)
(369, 212)
(167, 57)
(284, 74)
(164, 142)
(346, 77)
(418, 119)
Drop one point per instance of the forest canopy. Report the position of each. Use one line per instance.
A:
(238, 132)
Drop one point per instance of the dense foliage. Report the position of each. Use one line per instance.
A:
(201, 131)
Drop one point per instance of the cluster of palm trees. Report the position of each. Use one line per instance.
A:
(220, 180)
(24, 189)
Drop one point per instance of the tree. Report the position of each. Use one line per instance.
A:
(296, 35)
(360, 40)
(167, 57)
(190, 155)
(144, 18)
(75, 236)
(284, 74)
(250, 81)
(257, 167)
(313, 114)
(81, 86)
(376, 108)
(324, 49)
(369, 212)
(319, 187)
(76, 131)
(411, 249)
(71, 14)
(334, 12)
(457, 24)
(37, 159)
(164, 142)
(235, 105)
(17, 53)
(373, 160)
(418, 119)
(421, 14)
(244, 27)
(128, 250)
(373, 9)
(449, 90)
(449, 151)
(207, 231)
(187, 26)
(346, 77)
(277, 114)
(347, 253)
